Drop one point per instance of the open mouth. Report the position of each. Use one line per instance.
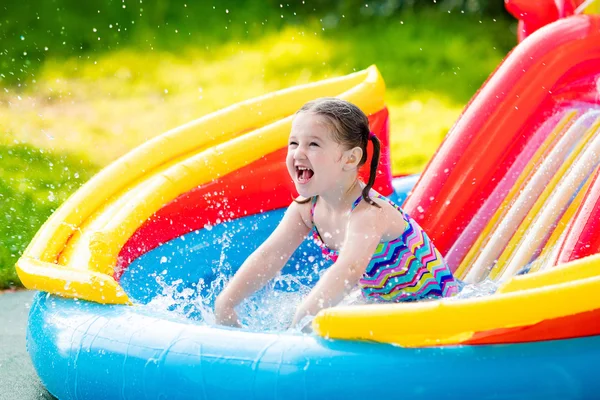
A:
(304, 174)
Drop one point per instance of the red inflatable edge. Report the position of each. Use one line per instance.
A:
(533, 15)
(571, 326)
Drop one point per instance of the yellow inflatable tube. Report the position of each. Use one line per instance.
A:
(575, 270)
(450, 322)
(75, 251)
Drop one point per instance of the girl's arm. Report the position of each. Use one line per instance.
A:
(263, 264)
(365, 230)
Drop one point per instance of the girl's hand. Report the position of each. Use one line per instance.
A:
(299, 323)
(225, 314)
(264, 263)
(362, 238)
(300, 313)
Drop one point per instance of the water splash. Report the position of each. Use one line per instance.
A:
(486, 287)
(271, 309)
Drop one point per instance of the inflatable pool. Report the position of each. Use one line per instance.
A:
(511, 197)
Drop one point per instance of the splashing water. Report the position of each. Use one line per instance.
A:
(273, 307)
(486, 287)
(270, 309)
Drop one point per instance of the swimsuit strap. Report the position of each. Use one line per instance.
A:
(356, 202)
(371, 192)
(329, 253)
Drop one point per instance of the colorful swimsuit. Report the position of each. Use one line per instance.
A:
(407, 268)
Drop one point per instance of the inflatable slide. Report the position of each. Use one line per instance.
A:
(511, 197)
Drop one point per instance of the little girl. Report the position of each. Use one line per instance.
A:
(372, 242)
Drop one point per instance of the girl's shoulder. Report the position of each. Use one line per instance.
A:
(387, 219)
(363, 208)
(384, 209)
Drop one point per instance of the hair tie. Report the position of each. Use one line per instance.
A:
(372, 135)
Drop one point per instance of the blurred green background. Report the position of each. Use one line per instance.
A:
(81, 83)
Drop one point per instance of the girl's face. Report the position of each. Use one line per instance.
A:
(314, 160)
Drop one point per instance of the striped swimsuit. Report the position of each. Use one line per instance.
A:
(407, 268)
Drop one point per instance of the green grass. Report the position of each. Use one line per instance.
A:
(82, 112)
(105, 104)
(33, 183)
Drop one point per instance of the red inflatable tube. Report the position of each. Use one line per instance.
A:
(571, 326)
(583, 236)
(260, 186)
(497, 124)
(533, 15)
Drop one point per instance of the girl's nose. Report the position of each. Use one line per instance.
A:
(299, 153)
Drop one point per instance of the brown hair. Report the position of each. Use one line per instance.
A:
(351, 129)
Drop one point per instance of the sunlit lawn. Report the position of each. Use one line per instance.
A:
(87, 111)
(103, 105)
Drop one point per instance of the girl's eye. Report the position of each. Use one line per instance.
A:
(293, 144)
(314, 144)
